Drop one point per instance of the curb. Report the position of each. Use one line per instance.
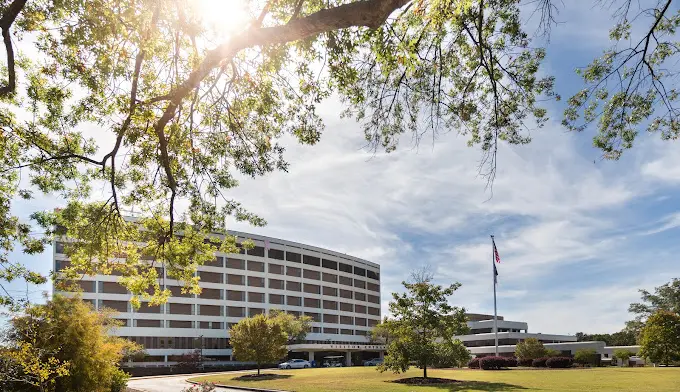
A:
(240, 388)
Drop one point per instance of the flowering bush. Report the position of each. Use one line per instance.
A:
(496, 363)
(524, 362)
(559, 362)
(474, 363)
(539, 362)
(200, 387)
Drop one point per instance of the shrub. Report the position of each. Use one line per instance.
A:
(559, 362)
(539, 362)
(587, 357)
(474, 363)
(493, 363)
(510, 361)
(524, 362)
(200, 387)
(119, 381)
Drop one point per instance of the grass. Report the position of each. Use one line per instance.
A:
(367, 379)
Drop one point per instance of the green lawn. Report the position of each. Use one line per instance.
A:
(367, 379)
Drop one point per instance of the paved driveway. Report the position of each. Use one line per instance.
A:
(166, 383)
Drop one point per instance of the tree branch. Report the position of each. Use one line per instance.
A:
(6, 21)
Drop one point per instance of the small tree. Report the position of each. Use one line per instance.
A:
(586, 357)
(530, 348)
(295, 328)
(259, 339)
(423, 322)
(549, 352)
(623, 355)
(64, 346)
(660, 338)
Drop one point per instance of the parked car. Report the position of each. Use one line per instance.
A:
(295, 364)
(373, 362)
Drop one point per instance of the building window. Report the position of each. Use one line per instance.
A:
(176, 291)
(235, 311)
(374, 299)
(293, 286)
(330, 331)
(360, 321)
(210, 310)
(359, 296)
(210, 277)
(330, 264)
(216, 262)
(146, 308)
(345, 268)
(233, 295)
(330, 291)
(180, 324)
(210, 293)
(236, 264)
(372, 323)
(345, 307)
(331, 305)
(359, 271)
(316, 317)
(255, 297)
(275, 269)
(294, 257)
(180, 308)
(255, 281)
(374, 311)
(148, 323)
(293, 271)
(276, 299)
(236, 279)
(346, 293)
(311, 260)
(312, 288)
(309, 274)
(316, 330)
(359, 283)
(104, 287)
(256, 266)
(360, 309)
(330, 278)
(330, 318)
(346, 332)
(373, 287)
(276, 284)
(372, 275)
(255, 311)
(294, 301)
(256, 251)
(276, 254)
(347, 320)
(312, 303)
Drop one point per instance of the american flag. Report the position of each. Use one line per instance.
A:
(495, 252)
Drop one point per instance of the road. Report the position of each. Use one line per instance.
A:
(167, 383)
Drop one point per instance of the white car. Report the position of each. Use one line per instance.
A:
(295, 364)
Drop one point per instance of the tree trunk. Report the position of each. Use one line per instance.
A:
(425, 371)
(258, 369)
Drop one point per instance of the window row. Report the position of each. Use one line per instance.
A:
(276, 254)
(236, 295)
(218, 310)
(154, 342)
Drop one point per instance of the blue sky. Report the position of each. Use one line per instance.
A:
(577, 235)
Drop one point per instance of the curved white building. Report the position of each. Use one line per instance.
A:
(341, 293)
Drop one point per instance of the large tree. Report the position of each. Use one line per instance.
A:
(63, 346)
(258, 339)
(660, 338)
(530, 348)
(296, 328)
(665, 298)
(423, 328)
(166, 111)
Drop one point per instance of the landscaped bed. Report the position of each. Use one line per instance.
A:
(367, 379)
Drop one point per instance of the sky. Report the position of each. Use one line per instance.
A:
(577, 235)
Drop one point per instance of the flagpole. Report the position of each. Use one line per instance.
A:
(493, 272)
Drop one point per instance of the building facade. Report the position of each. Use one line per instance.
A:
(340, 293)
(481, 339)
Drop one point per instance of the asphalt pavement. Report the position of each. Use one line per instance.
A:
(169, 383)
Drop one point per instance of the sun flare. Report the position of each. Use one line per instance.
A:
(224, 16)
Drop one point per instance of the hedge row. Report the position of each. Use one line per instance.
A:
(553, 362)
(492, 363)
